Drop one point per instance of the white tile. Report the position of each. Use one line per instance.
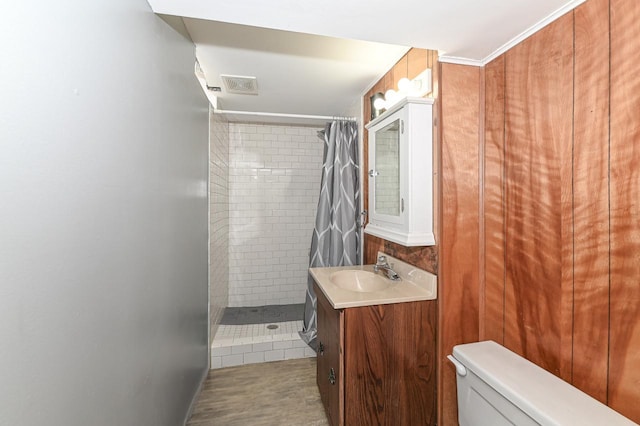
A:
(262, 201)
(240, 349)
(265, 346)
(254, 357)
(231, 360)
(294, 353)
(279, 338)
(283, 345)
(221, 351)
(275, 355)
(242, 340)
(216, 362)
(298, 344)
(261, 338)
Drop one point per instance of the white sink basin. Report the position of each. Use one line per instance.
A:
(357, 285)
(360, 281)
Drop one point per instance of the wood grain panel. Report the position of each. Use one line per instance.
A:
(538, 107)
(492, 316)
(423, 257)
(416, 62)
(591, 199)
(366, 107)
(365, 370)
(330, 332)
(481, 230)
(399, 71)
(390, 381)
(413, 379)
(458, 291)
(624, 359)
(372, 245)
(389, 81)
(432, 61)
(432, 58)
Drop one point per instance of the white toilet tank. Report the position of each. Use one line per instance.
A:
(497, 387)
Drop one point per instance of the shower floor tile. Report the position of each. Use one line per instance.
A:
(252, 343)
(252, 333)
(262, 314)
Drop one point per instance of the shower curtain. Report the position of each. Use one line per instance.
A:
(336, 236)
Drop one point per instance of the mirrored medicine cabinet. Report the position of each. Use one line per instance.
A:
(401, 173)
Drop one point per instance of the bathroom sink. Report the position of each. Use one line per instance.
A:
(357, 285)
(360, 281)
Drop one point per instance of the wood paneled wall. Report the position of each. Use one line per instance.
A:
(591, 199)
(624, 212)
(538, 218)
(561, 207)
(458, 280)
(492, 306)
(539, 206)
(410, 65)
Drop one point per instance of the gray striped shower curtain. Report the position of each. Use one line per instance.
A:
(336, 236)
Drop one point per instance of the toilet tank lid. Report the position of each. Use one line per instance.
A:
(546, 398)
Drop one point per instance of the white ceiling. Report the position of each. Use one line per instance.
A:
(324, 74)
(297, 73)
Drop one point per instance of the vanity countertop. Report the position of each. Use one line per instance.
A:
(415, 284)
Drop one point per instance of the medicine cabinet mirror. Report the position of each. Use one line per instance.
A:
(401, 173)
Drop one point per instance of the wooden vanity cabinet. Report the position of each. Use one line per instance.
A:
(383, 360)
(330, 370)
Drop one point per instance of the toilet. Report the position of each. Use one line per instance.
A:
(498, 387)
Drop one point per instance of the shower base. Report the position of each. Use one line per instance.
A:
(239, 344)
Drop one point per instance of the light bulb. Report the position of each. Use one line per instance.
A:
(391, 96)
(379, 103)
(405, 85)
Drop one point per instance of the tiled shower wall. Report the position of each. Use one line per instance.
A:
(218, 217)
(274, 183)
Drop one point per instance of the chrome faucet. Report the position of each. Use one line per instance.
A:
(388, 269)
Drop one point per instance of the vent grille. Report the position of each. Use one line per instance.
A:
(240, 85)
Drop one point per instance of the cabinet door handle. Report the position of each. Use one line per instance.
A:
(373, 173)
(332, 376)
(320, 349)
(402, 204)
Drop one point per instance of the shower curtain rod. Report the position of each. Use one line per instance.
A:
(283, 115)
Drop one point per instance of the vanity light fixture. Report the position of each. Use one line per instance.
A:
(418, 87)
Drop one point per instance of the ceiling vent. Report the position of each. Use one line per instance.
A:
(240, 85)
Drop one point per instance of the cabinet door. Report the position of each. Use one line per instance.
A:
(401, 174)
(390, 364)
(386, 202)
(386, 173)
(330, 362)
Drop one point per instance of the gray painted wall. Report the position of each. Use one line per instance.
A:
(103, 216)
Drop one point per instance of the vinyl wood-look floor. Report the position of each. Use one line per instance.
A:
(282, 393)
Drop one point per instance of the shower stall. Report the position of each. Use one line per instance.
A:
(264, 185)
